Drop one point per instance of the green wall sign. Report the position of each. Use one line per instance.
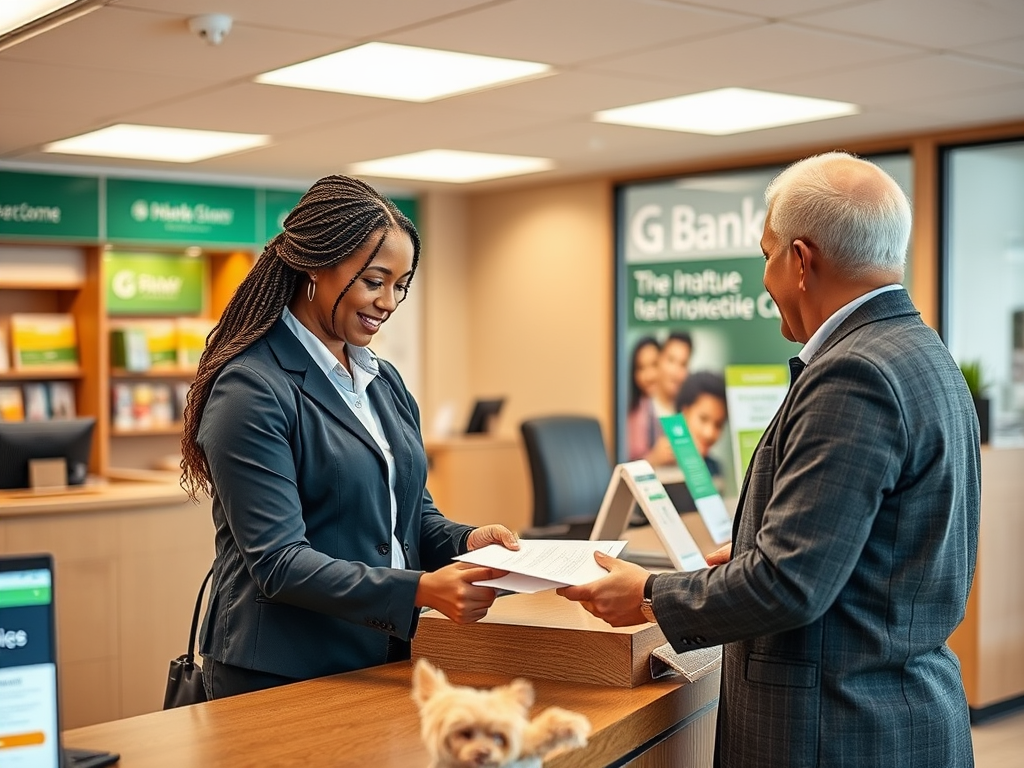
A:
(277, 204)
(51, 207)
(99, 209)
(161, 212)
(152, 283)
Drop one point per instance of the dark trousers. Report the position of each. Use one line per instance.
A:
(221, 680)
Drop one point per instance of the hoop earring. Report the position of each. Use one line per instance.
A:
(310, 290)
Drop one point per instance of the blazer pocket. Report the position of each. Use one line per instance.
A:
(763, 462)
(772, 670)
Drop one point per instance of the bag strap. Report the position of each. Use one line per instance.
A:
(191, 655)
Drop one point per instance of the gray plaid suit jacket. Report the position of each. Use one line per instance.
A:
(854, 547)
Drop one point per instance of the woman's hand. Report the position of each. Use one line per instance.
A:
(492, 534)
(450, 590)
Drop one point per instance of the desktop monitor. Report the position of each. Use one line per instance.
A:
(24, 441)
(484, 412)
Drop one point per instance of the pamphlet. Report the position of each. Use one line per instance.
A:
(754, 393)
(541, 564)
(698, 479)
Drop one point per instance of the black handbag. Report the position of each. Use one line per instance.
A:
(185, 678)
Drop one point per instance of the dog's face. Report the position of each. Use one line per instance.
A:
(466, 727)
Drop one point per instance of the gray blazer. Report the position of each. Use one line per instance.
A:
(854, 547)
(302, 582)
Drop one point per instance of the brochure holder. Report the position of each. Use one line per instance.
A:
(636, 482)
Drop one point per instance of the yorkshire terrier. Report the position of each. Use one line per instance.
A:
(466, 727)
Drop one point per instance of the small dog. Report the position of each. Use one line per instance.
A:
(473, 728)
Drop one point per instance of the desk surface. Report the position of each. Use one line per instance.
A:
(367, 718)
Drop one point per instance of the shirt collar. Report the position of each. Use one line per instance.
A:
(814, 343)
(364, 363)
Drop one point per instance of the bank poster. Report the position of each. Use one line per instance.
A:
(689, 267)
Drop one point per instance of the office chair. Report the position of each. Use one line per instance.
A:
(570, 470)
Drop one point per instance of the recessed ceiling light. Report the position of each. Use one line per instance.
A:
(451, 165)
(152, 142)
(725, 111)
(24, 19)
(403, 72)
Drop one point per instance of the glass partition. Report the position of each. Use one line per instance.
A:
(983, 286)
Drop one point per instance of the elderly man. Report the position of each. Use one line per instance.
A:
(856, 530)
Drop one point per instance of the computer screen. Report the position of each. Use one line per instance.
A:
(484, 412)
(29, 725)
(23, 441)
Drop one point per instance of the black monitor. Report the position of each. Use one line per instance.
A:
(484, 412)
(23, 441)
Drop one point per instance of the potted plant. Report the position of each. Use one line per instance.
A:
(978, 386)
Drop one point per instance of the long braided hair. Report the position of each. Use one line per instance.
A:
(332, 221)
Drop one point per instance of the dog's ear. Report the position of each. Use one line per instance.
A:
(521, 692)
(427, 680)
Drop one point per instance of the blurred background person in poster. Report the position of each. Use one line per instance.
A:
(641, 424)
(673, 366)
(701, 401)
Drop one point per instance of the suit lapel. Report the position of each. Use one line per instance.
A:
(886, 305)
(292, 357)
(388, 408)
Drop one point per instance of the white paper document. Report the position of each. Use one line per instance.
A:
(541, 564)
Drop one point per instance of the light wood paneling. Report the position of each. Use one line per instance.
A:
(541, 635)
(540, 298)
(990, 641)
(479, 480)
(125, 586)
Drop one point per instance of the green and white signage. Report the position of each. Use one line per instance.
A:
(160, 212)
(50, 207)
(698, 479)
(753, 393)
(689, 260)
(153, 284)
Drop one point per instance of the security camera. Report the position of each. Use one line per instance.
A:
(212, 27)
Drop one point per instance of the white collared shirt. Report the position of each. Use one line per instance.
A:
(353, 390)
(814, 343)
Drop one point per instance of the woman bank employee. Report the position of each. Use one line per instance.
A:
(327, 540)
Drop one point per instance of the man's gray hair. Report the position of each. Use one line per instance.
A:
(853, 211)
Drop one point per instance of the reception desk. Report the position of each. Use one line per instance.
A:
(129, 554)
(367, 718)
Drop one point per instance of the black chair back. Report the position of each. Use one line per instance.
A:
(570, 470)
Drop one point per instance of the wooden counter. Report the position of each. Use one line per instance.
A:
(367, 718)
(129, 556)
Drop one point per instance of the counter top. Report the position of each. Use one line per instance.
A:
(367, 718)
(120, 490)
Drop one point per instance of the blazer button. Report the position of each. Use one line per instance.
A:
(699, 639)
(406, 545)
(383, 549)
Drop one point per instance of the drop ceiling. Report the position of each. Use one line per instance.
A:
(912, 65)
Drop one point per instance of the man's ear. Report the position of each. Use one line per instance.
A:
(806, 253)
(427, 680)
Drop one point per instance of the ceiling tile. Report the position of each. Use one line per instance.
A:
(569, 31)
(751, 56)
(920, 22)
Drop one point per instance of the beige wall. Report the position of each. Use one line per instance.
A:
(539, 293)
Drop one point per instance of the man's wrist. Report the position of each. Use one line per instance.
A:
(647, 604)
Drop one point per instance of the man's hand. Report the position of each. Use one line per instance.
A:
(450, 590)
(615, 598)
(720, 555)
(492, 534)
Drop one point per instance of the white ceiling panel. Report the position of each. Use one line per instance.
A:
(946, 25)
(162, 44)
(751, 56)
(913, 65)
(567, 32)
(254, 108)
(342, 17)
(908, 81)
